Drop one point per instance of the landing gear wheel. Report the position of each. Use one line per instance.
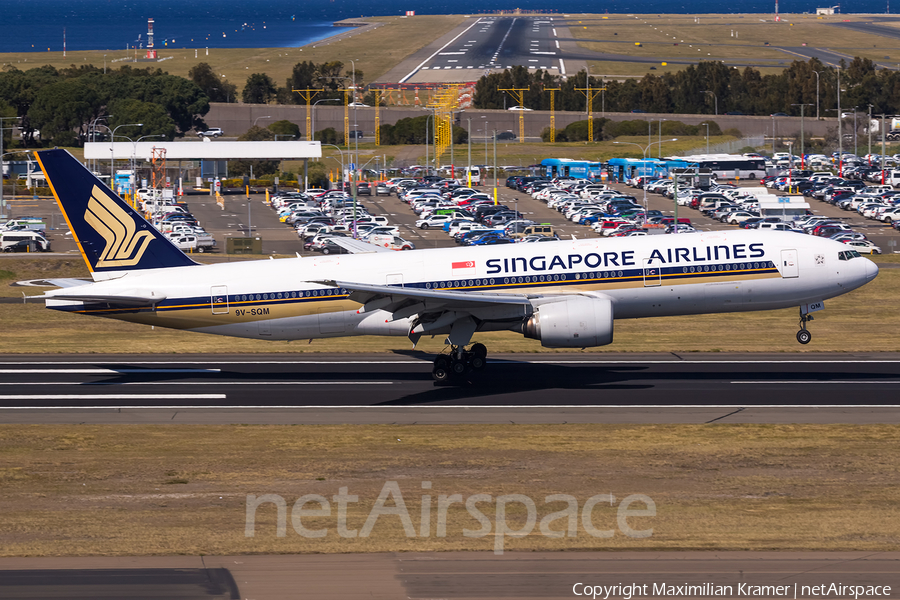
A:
(458, 367)
(441, 371)
(478, 355)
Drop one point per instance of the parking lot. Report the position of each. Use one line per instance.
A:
(237, 218)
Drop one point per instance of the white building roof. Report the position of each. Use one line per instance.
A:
(784, 202)
(209, 150)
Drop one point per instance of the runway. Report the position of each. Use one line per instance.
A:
(494, 43)
(390, 388)
(470, 575)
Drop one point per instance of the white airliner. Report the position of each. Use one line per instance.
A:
(565, 294)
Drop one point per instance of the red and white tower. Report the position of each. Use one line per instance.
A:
(151, 51)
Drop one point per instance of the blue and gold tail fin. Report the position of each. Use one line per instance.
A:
(112, 236)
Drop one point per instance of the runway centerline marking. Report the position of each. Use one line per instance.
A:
(182, 383)
(99, 371)
(818, 382)
(114, 397)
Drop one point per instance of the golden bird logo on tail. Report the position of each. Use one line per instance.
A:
(124, 245)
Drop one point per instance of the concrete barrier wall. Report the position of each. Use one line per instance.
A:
(235, 119)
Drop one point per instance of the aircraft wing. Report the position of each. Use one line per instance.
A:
(436, 310)
(358, 246)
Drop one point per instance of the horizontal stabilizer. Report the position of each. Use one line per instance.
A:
(358, 246)
(127, 300)
(65, 282)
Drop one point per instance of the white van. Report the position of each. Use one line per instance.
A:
(29, 223)
(475, 174)
(9, 239)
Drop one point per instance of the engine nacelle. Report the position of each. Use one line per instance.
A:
(576, 322)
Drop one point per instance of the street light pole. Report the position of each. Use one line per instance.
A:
(644, 150)
(869, 131)
(2, 201)
(134, 159)
(314, 114)
(840, 127)
(258, 118)
(707, 137)
(342, 161)
(802, 138)
(495, 166)
(469, 165)
(485, 143)
(817, 94)
(716, 99)
(659, 136)
(427, 170)
(112, 140)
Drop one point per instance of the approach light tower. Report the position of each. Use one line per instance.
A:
(777, 18)
(151, 51)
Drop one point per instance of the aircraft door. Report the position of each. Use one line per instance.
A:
(789, 264)
(218, 299)
(652, 273)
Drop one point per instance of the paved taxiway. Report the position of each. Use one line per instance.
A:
(470, 575)
(551, 388)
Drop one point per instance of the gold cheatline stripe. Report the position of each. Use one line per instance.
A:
(63, 211)
(592, 282)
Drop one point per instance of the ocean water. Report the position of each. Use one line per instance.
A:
(37, 25)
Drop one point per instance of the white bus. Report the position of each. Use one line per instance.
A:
(727, 166)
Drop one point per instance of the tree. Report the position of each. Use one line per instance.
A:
(58, 111)
(216, 88)
(303, 77)
(154, 118)
(329, 136)
(285, 128)
(259, 89)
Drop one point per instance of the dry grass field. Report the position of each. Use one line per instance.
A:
(374, 51)
(732, 38)
(151, 490)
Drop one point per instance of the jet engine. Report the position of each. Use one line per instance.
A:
(576, 322)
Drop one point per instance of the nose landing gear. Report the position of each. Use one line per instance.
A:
(804, 336)
(453, 367)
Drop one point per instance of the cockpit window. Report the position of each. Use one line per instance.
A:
(848, 254)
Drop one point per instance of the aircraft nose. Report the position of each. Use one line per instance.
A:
(871, 270)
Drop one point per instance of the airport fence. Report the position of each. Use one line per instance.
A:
(754, 141)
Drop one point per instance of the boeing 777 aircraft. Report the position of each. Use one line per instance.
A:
(565, 294)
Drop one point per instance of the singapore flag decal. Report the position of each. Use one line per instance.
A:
(465, 268)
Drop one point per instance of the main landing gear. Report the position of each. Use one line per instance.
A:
(453, 367)
(804, 336)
